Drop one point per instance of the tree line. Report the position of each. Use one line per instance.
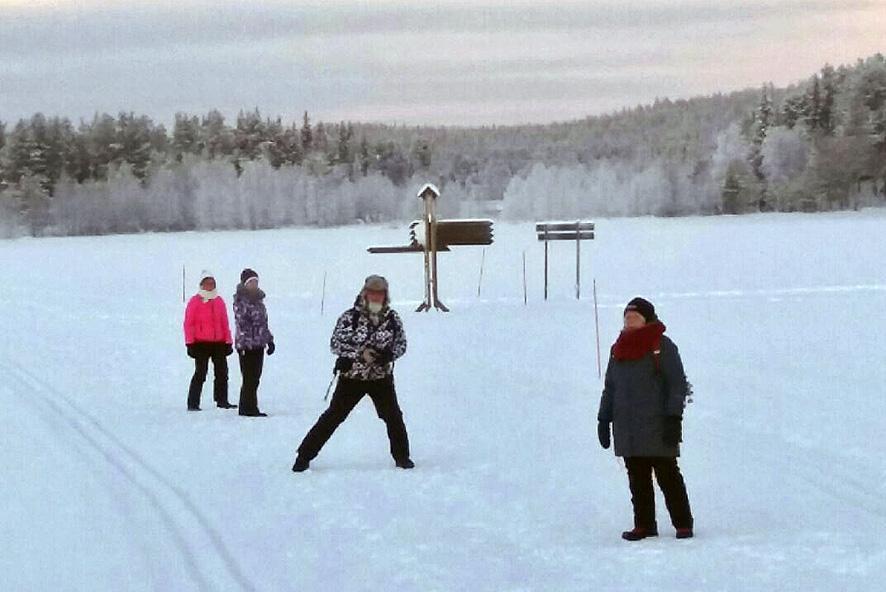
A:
(814, 146)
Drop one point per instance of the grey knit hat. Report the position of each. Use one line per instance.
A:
(376, 283)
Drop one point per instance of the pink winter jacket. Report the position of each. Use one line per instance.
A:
(207, 321)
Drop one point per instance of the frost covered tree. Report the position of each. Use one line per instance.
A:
(670, 157)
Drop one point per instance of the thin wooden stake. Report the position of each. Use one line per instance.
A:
(525, 295)
(546, 262)
(578, 260)
(183, 283)
(323, 297)
(482, 266)
(597, 331)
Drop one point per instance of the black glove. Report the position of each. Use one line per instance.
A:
(192, 350)
(603, 434)
(673, 430)
(384, 357)
(271, 348)
(229, 349)
(343, 365)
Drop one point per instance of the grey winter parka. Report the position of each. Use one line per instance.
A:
(637, 397)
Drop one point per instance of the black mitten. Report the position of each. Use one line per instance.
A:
(603, 434)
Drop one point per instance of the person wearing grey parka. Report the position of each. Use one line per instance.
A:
(643, 399)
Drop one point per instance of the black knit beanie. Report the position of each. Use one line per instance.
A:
(644, 307)
(246, 274)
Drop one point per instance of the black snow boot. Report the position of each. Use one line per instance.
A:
(405, 464)
(301, 464)
(638, 533)
(226, 406)
(193, 409)
(684, 533)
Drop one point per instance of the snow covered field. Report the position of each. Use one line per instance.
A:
(108, 484)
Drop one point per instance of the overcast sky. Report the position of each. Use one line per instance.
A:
(455, 63)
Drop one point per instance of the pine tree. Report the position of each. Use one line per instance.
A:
(185, 135)
(135, 140)
(321, 141)
(216, 136)
(307, 137)
(38, 162)
(364, 156)
(826, 115)
(871, 93)
(761, 125)
(160, 139)
(792, 111)
(422, 153)
(78, 165)
(250, 133)
(344, 143)
(18, 160)
(813, 105)
(289, 144)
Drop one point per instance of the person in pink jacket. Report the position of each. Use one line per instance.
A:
(208, 337)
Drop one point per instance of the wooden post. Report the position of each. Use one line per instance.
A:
(432, 242)
(429, 195)
(183, 283)
(434, 276)
(597, 331)
(426, 305)
(525, 296)
(578, 260)
(546, 262)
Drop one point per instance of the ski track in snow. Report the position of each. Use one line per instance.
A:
(191, 537)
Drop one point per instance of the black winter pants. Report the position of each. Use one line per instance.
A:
(204, 353)
(251, 363)
(346, 396)
(667, 473)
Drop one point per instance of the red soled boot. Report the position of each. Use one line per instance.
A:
(639, 533)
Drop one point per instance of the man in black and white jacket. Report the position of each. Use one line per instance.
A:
(367, 339)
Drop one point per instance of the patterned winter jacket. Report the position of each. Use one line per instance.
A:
(251, 320)
(355, 332)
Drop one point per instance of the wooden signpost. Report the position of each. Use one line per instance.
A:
(431, 236)
(562, 231)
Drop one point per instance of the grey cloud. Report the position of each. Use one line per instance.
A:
(409, 62)
(94, 30)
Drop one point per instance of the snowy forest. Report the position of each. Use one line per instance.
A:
(817, 145)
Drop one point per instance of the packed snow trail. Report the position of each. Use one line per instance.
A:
(196, 541)
(110, 484)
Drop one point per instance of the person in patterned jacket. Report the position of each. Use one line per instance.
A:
(252, 338)
(367, 340)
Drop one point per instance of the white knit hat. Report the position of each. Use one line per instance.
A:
(204, 275)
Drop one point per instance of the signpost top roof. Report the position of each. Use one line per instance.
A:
(429, 189)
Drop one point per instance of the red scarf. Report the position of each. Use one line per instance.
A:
(633, 344)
